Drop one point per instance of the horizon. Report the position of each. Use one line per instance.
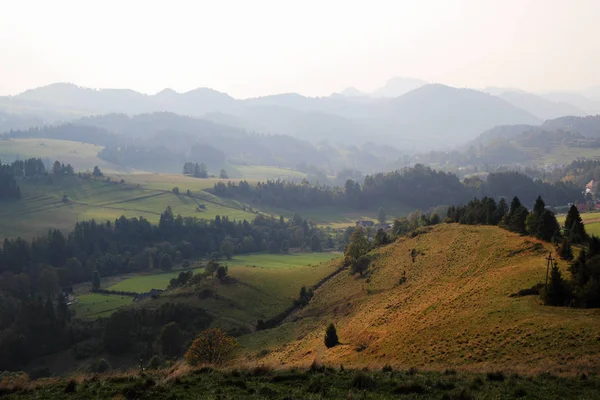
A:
(266, 48)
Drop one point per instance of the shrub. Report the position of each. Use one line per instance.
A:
(213, 346)
(331, 337)
(363, 381)
(409, 388)
(155, 362)
(497, 376)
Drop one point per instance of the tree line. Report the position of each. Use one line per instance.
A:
(419, 187)
(34, 273)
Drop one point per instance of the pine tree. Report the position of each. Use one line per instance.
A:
(564, 251)
(547, 226)
(331, 337)
(557, 292)
(574, 228)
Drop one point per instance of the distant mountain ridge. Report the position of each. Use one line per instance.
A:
(424, 116)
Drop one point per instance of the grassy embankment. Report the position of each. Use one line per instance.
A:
(454, 310)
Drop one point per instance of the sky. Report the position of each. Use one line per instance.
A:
(253, 48)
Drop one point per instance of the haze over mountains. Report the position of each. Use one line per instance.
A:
(407, 114)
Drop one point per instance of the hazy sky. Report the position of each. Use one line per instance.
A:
(252, 47)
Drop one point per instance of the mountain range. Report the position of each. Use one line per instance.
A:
(426, 116)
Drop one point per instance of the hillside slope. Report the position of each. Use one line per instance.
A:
(454, 311)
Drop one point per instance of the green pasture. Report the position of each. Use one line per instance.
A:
(95, 305)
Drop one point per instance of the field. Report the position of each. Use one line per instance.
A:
(258, 172)
(453, 310)
(263, 282)
(82, 156)
(41, 206)
(591, 221)
(94, 305)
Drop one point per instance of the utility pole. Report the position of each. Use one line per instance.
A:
(548, 264)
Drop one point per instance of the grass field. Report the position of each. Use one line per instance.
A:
(41, 206)
(264, 284)
(453, 310)
(82, 156)
(591, 220)
(94, 305)
(261, 172)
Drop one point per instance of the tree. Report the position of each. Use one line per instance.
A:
(557, 293)
(381, 216)
(175, 190)
(315, 243)
(213, 346)
(48, 282)
(331, 337)
(97, 172)
(212, 267)
(166, 263)
(227, 248)
(358, 246)
(117, 332)
(361, 264)
(223, 174)
(564, 250)
(170, 339)
(548, 226)
(222, 273)
(95, 280)
(285, 246)
(574, 228)
(381, 237)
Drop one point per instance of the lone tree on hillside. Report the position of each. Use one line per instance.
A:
(213, 346)
(331, 337)
(97, 171)
(381, 216)
(223, 174)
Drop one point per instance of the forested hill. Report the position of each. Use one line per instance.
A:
(163, 142)
(419, 187)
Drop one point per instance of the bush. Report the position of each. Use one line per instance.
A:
(363, 381)
(155, 362)
(213, 346)
(497, 376)
(331, 337)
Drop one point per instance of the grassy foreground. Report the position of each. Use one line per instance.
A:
(181, 382)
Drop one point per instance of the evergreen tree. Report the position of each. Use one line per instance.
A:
(548, 226)
(539, 207)
(358, 246)
(381, 216)
(564, 250)
(557, 293)
(574, 228)
(331, 337)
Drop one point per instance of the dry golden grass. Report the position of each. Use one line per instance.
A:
(454, 311)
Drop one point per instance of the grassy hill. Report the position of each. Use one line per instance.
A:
(454, 310)
(42, 206)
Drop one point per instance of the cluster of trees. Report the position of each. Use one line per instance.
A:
(420, 187)
(196, 170)
(540, 222)
(9, 189)
(40, 268)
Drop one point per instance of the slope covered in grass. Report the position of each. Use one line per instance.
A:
(454, 310)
